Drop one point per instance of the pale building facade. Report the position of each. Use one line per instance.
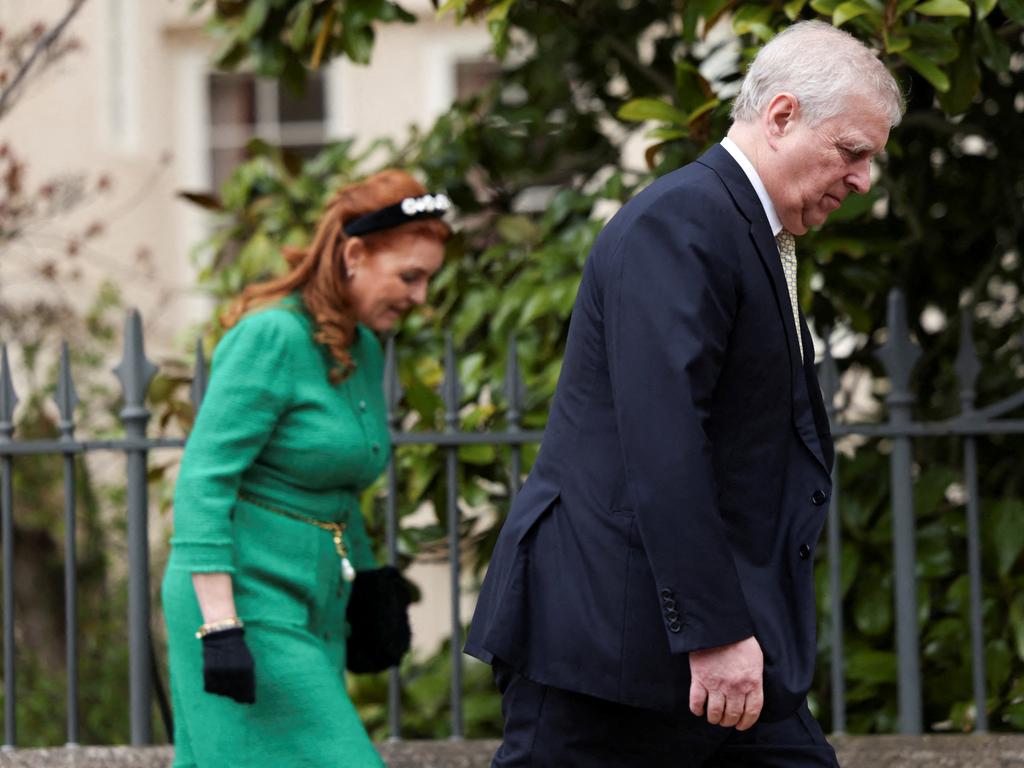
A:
(140, 104)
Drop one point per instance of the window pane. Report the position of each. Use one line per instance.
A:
(232, 99)
(222, 163)
(307, 106)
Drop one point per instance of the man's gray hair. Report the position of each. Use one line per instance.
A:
(823, 67)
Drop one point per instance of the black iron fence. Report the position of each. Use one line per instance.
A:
(898, 356)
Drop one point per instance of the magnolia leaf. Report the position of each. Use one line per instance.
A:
(896, 43)
(944, 8)
(965, 79)
(825, 7)
(1017, 625)
(667, 134)
(639, 110)
(753, 19)
(500, 11)
(702, 110)
(477, 454)
(872, 609)
(206, 200)
(1008, 533)
(927, 70)
(846, 11)
(255, 17)
(871, 666)
(793, 8)
(1014, 10)
(994, 51)
(298, 31)
(517, 230)
(985, 7)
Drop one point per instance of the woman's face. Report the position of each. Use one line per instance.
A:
(385, 283)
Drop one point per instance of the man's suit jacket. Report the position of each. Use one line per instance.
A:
(684, 475)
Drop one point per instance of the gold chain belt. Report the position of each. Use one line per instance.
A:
(337, 530)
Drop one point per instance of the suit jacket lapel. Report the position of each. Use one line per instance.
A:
(746, 200)
(806, 396)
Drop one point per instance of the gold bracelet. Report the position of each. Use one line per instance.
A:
(218, 626)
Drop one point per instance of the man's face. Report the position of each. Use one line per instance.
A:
(812, 169)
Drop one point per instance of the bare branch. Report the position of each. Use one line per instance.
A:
(43, 44)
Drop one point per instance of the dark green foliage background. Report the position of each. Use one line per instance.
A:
(943, 223)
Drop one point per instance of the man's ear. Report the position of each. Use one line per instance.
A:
(779, 117)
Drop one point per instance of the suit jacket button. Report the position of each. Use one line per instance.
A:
(674, 626)
(669, 603)
(818, 498)
(672, 615)
(805, 551)
(666, 593)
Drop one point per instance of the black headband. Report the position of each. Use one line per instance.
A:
(410, 209)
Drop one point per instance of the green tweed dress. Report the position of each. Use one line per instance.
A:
(273, 428)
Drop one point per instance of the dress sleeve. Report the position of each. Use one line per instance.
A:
(360, 548)
(251, 384)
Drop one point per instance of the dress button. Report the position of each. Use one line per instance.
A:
(805, 551)
(362, 405)
(375, 447)
(818, 498)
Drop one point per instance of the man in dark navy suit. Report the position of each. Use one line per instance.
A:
(650, 601)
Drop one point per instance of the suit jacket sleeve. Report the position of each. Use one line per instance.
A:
(671, 292)
(250, 388)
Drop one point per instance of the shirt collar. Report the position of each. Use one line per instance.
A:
(762, 194)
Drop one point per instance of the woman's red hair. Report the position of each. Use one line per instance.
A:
(318, 271)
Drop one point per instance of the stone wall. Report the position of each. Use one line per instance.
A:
(972, 751)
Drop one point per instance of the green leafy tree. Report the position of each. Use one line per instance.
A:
(538, 161)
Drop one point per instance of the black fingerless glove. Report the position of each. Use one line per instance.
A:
(228, 667)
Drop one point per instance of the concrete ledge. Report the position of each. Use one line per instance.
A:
(972, 751)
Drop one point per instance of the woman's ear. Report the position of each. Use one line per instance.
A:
(353, 255)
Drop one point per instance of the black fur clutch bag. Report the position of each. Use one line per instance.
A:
(378, 618)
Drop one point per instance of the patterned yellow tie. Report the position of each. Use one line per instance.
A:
(787, 252)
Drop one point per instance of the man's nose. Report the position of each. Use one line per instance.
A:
(859, 178)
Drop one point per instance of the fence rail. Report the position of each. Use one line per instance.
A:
(898, 357)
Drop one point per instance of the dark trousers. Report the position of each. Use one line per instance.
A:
(549, 727)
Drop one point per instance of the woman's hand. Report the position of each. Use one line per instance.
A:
(228, 667)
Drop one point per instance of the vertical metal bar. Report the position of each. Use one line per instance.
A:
(393, 395)
(200, 378)
(8, 401)
(974, 571)
(830, 388)
(67, 398)
(514, 393)
(967, 368)
(899, 354)
(135, 373)
(451, 424)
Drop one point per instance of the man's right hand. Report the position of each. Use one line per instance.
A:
(729, 681)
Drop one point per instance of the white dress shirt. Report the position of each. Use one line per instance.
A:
(762, 194)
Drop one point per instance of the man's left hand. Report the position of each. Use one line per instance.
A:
(729, 679)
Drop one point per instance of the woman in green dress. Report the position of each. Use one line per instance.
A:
(291, 429)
